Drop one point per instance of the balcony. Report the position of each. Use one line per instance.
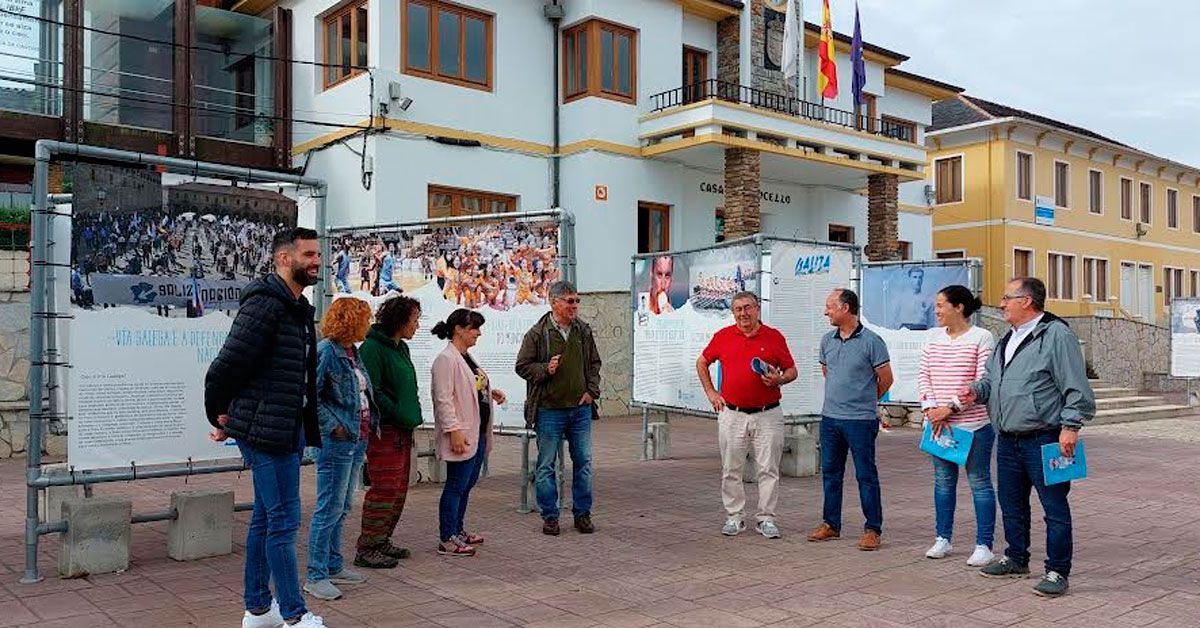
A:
(716, 112)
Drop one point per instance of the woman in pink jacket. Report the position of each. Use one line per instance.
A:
(462, 414)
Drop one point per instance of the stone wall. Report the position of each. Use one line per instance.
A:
(743, 200)
(611, 319)
(883, 218)
(761, 77)
(14, 369)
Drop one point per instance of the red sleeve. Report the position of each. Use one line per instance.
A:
(785, 355)
(712, 352)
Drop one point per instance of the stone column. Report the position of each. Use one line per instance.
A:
(743, 201)
(883, 218)
(729, 52)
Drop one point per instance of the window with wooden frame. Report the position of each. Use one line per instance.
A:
(948, 179)
(1062, 184)
(1194, 284)
(1095, 191)
(1095, 279)
(600, 59)
(1173, 209)
(841, 233)
(1146, 207)
(654, 227)
(955, 254)
(1126, 199)
(905, 249)
(1022, 263)
(447, 42)
(898, 129)
(1172, 284)
(868, 112)
(1196, 214)
(1060, 277)
(1025, 176)
(345, 49)
(447, 201)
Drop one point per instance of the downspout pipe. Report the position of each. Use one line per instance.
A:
(553, 11)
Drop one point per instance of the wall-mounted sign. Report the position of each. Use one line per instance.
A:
(602, 193)
(770, 197)
(1043, 211)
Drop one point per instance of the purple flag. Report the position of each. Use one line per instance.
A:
(859, 80)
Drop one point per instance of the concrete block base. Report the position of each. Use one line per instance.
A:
(800, 456)
(659, 445)
(53, 496)
(97, 536)
(203, 525)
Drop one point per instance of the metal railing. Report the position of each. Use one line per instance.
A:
(778, 103)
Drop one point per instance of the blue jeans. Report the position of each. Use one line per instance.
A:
(342, 283)
(339, 465)
(1019, 469)
(856, 436)
(271, 536)
(575, 425)
(461, 477)
(979, 476)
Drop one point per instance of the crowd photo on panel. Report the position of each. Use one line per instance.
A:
(348, 386)
(497, 266)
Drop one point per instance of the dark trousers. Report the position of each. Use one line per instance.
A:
(1019, 469)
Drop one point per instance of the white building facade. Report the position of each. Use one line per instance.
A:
(670, 114)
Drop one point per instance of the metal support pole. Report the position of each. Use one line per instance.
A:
(171, 514)
(319, 290)
(645, 433)
(526, 476)
(37, 304)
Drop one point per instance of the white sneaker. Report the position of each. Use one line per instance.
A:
(941, 548)
(733, 527)
(309, 621)
(269, 619)
(981, 557)
(768, 529)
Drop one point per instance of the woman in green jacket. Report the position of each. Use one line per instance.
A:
(389, 452)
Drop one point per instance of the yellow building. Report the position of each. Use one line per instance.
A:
(1112, 230)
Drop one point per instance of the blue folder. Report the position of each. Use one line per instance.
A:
(954, 443)
(1057, 468)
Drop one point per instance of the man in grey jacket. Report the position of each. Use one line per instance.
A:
(1037, 392)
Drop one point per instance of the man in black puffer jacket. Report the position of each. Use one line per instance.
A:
(261, 391)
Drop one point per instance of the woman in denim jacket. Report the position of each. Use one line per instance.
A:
(347, 413)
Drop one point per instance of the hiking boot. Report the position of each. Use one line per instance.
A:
(824, 532)
(455, 546)
(1005, 568)
(870, 541)
(550, 527)
(322, 590)
(1053, 584)
(583, 523)
(393, 551)
(374, 559)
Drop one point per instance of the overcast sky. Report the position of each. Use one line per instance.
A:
(1127, 69)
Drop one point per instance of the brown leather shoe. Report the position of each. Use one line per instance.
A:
(870, 541)
(550, 527)
(824, 532)
(583, 523)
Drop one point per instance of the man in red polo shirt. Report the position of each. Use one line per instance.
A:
(755, 362)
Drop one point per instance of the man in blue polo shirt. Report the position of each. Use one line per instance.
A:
(857, 373)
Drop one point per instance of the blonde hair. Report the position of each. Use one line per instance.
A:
(347, 320)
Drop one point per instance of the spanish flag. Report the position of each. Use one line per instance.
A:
(827, 75)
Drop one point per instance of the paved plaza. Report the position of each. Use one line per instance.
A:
(657, 558)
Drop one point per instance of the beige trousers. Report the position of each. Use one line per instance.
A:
(758, 434)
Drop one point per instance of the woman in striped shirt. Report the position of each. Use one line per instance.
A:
(955, 356)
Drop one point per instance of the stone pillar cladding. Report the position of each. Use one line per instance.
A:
(743, 200)
(883, 218)
(729, 52)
